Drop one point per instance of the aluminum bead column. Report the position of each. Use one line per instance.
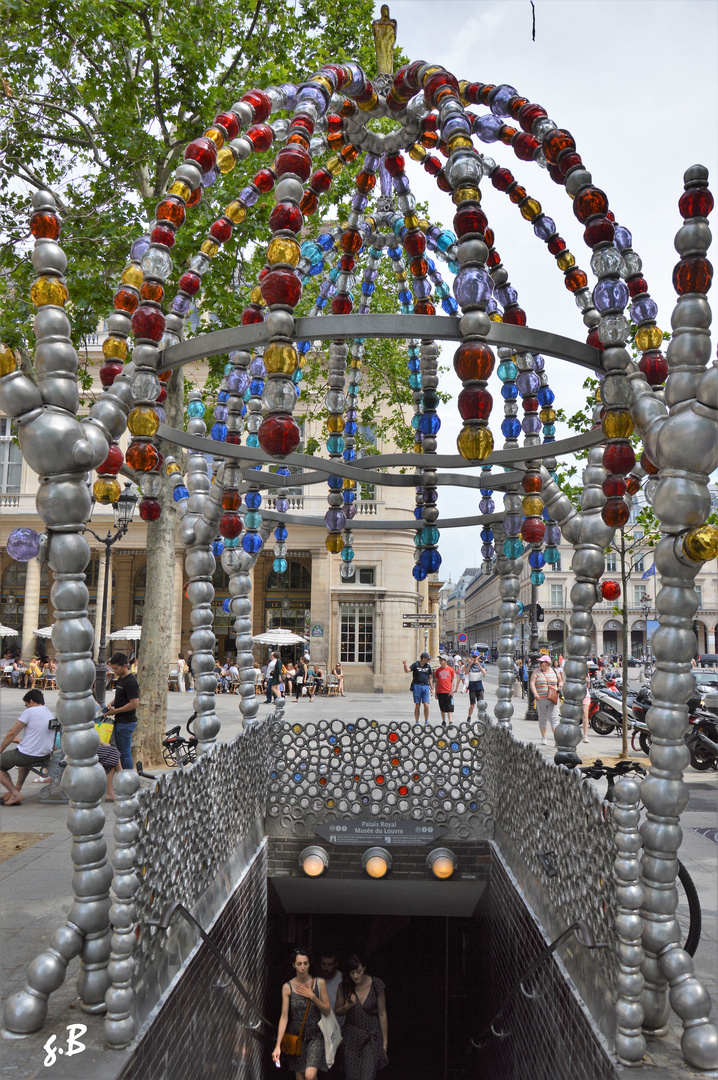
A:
(509, 571)
(630, 1043)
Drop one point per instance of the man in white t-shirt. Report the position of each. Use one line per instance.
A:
(35, 740)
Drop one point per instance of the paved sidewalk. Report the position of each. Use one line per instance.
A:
(35, 883)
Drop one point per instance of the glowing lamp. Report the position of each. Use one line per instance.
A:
(313, 861)
(441, 862)
(377, 862)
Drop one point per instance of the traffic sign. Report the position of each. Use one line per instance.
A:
(462, 638)
(420, 624)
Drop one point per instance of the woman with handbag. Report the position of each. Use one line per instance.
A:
(299, 1039)
(546, 685)
(365, 1035)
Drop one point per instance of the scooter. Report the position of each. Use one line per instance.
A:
(701, 737)
(607, 715)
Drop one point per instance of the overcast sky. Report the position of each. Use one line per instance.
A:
(635, 83)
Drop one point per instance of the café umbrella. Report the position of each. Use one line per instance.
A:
(127, 633)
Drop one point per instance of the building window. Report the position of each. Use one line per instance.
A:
(10, 460)
(699, 590)
(611, 561)
(639, 591)
(357, 634)
(366, 575)
(557, 564)
(557, 596)
(638, 565)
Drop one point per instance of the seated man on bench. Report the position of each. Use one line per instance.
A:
(35, 739)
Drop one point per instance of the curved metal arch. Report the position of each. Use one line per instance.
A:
(380, 524)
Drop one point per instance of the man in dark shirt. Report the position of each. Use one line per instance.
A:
(422, 684)
(124, 708)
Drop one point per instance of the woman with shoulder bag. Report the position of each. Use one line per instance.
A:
(546, 685)
(300, 1041)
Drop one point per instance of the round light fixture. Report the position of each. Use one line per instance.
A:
(377, 862)
(313, 861)
(441, 862)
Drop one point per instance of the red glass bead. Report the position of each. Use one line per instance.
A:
(149, 509)
(228, 121)
(525, 146)
(442, 181)
(126, 300)
(171, 210)
(489, 237)
(365, 95)
(190, 283)
(321, 181)
(152, 290)
(260, 102)
(279, 435)
(162, 234)
(695, 203)
(432, 165)
(162, 396)
(196, 196)
(555, 143)
(515, 315)
(351, 241)
(394, 164)
(618, 457)
(530, 404)
(594, 340)
(615, 512)
(263, 273)
(529, 114)
(610, 590)
(647, 465)
(473, 360)
(341, 304)
(470, 219)
(261, 137)
(424, 307)
(556, 245)
(281, 287)
(637, 286)
(142, 456)
(252, 314)
(414, 242)
(264, 180)
(109, 372)
(233, 437)
(654, 367)
(45, 225)
(502, 179)
(292, 159)
(302, 123)
(203, 151)
(221, 230)
(556, 175)
(692, 275)
(575, 279)
(403, 790)
(347, 263)
(588, 203)
(569, 161)
(309, 203)
(148, 322)
(493, 260)
(113, 462)
(475, 403)
(230, 525)
(286, 215)
(419, 267)
(533, 530)
(365, 182)
(334, 122)
(614, 487)
(435, 83)
(633, 484)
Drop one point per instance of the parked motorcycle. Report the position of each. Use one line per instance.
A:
(701, 737)
(605, 713)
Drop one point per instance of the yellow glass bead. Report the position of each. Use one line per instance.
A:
(335, 424)
(565, 261)
(463, 85)
(530, 209)
(132, 275)
(334, 165)
(617, 424)
(106, 489)
(701, 543)
(49, 290)
(371, 223)
(280, 357)
(532, 505)
(349, 485)
(431, 71)
(418, 448)
(400, 275)
(495, 316)
(424, 224)
(216, 136)
(368, 106)
(236, 212)
(282, 249)
(417, 152)
(226, 160)
(172, 468)
(649, 337)
(475, 443)
(334, 543)
(178, 188)
(548, 416)
(255, 297)
(115, 348)
(411, 221)
(209, 247)
(458, 142)
(466, 194)
(7, 360)
(598, 393)
(322, 80)
(143, 421)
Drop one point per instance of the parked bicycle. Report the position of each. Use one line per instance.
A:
(178, 750)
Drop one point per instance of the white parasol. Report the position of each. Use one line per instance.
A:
(127, 633)
(279, 637)
(7, 631)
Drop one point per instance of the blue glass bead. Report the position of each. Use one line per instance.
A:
(552, 555)
(297, 377)
(415, 380)
(545, 395)
(419, 572)
(180, 492)
(520, 607)
(280, 534)
(445, 239)
(335, 444)
(472, 286)
(256, 387)
(394, 253)
(430, 560)
(253, 500)
(284, 471)
(325, 241)
(227, 605)
(429, 536)
(488, 128)
(252, 543)
(486, 493)
(252, 440)
(507, 294)
(417, 538)
(487, 535)
(222, 397)
(353, 389)
(549, 429)
(349, 496)
(218, 432)
(280, 566)
(246, 395)
(511, 427)
(406, 309)
(405, 296)
(536, 559)
(544, 227)
(334, 273)
(429, 423)
(611, 294)
(487, 506)
(415, 421)
(314, 269)
(450, 306)
(195, 408)
(217, 548)
(252, 519)
(513, 548)
(507, 371)
(414, 351)
(453, 266)
(336, 483)
(227, 370)
(349, 454)
(537, 577)
(419, 512)
(347, 554)
(237, 381)
(351, 427)
(414, 365)
(644, 310)
(231, 541)
(509, 391)
(622, 237)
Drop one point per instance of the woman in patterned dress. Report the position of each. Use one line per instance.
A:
(365, 1035)
(296, 994)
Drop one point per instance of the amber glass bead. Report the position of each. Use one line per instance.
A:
(565, 261)
(309, 203)
(152, 290)
(106, 490)
(335, 424)
(171, 210)
(365, 182)
(655, 368)
(49, 290)
(618, 457)
(530, 209)
(255, 295)
(697, 202)
(473, 360)
(142, 456)
(555, 143)
(195, 196)
(633, 484)
(231, 500)
(280, 358)
(614, 487)
(692, 275)
(647, 465)
(8, 362)
(226, 160)
(114, 348)
(216, 136)
(351, 241)
(475, 443)
(44, 225)
(475, 403)
(506, 134)
(143, 421)
(419, 267)
(575, 279)
(648, 337)
(179, 188)
(164, 376)
(531, 482)
(261, 103)
(424, 307)
(517, 194)
(283, 249)
(126, 299)
(590, 202)
(701, 543)
(615, 512)
(334, 543)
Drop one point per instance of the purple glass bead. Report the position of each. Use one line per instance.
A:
(208, 178)
(181, 304)
(335, 519)
(139, 247)
(622, 237)
(488, 128)
(512, 524)
(310, 93)
(487, 506)
(436, 277)
(160, 413)
(544, 227)
(350, 510)
(506, 294)
(527, 383)
(455, 125)
(553, 534)
(611, 295)
(351, 414)
(472, 287)
(359, 201)
(422, 288)
(282, 506)
(491, 306)
(327, 289)
(384, 180)
(364, 228)
(371, 275)
(290, 93)
(501, 98)
(644, 310)
(401, 184)
(238, 381)
(220, 413)
(23, 544)
(257, 369)
(531, 424)
(539, 362)
(372, 162)
(363, 309)
(487, 551)
(249, 195)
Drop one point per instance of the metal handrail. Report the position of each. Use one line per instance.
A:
(164, 922)
(584, 934)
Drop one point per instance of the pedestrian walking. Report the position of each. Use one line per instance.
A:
(546, 684)
(124, 708)
(422, 685)
(300, 1042)
(446, 681)
(274, 668)
(476, 673)
(362, 999)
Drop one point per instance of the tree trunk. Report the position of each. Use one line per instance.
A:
(624, 651)
(154, 653)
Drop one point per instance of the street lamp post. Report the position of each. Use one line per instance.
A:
(123, 510)
(646, 607)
